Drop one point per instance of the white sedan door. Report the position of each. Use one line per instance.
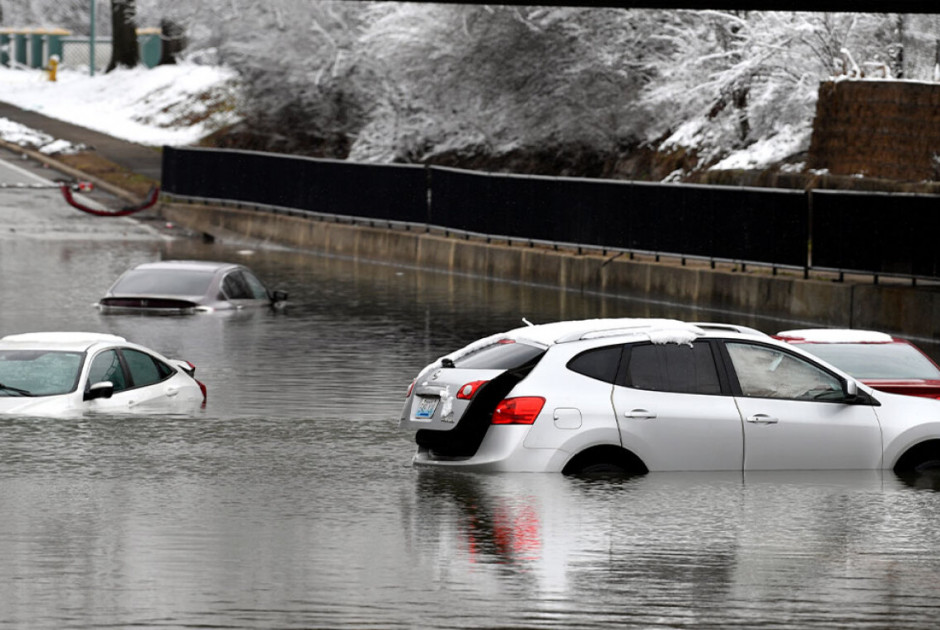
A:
(793, 419)
(152, 383)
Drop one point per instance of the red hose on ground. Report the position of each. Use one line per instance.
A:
(150, 200)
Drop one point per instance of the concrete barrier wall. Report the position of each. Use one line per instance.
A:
(911, 311)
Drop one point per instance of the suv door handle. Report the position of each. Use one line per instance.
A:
(761, 418)
(639, 414)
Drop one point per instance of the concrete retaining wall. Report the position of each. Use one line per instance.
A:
(914, 312)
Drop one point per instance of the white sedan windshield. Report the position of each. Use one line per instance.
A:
(38, 372)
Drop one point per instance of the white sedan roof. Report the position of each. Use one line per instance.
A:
(76, 341)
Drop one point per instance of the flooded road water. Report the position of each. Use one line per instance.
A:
(290, 501)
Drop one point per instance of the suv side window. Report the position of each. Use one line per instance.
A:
(765, 372)
(671, 367)
(599, 363)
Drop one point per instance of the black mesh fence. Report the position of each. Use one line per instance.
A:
(891, 234)
(865, 232)
(382, 192)
(767, 226)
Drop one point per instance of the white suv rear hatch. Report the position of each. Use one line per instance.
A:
(444, 390)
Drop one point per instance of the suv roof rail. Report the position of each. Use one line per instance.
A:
(721, 327)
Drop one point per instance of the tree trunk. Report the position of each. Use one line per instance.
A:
(124, 51)
(174, 41)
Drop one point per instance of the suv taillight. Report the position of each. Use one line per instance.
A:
(522, 410)
(469, 390)
(411, 388)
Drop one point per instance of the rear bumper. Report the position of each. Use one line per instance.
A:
(137, 310)
(502, 450)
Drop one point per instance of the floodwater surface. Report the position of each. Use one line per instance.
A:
(290, 501)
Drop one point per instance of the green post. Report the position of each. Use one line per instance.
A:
(54, 42)
(5, 48)
(19, 48)
(91, 42)
(35, 39)
(150, 45)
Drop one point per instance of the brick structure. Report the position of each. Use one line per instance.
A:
(887, 129)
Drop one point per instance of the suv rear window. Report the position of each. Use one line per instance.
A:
(500, 356)
(599, 363)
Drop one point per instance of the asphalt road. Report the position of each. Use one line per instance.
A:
(32, 206)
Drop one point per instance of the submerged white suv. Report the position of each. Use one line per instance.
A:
(640, 395)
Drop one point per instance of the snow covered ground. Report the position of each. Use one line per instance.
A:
(168, 105)
(177, 105)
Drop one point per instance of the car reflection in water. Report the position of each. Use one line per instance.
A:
(599, 543)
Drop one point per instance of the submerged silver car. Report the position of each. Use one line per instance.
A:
(640, 395)
(188, 286)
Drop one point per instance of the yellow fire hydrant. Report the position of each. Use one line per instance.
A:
(53, 66)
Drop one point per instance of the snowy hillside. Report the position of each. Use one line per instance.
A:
(168, 105)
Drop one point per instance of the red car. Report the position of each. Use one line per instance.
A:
(877, 359)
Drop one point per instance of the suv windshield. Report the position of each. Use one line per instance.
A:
(163, 282)
(504, 355)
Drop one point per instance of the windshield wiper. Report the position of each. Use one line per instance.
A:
(21, 392)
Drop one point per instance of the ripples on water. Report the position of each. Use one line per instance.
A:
(290, 502)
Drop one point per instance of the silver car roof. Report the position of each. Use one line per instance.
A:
(192, 265)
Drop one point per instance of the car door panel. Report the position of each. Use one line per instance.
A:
(801, 435)
(671, 431)
(673, 411)
(796, 414)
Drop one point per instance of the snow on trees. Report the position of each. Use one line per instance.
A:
(401, 81)
(730, 79)
(488, 80)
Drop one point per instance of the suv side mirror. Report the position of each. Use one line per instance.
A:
(278, 296)
(104, 389)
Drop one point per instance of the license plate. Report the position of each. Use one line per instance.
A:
(426, 407)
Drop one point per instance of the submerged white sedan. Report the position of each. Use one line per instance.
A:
(65, 373)
(640, 395)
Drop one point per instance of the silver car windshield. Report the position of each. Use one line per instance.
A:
(163, 282)
(38, 372)
(875, 360)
